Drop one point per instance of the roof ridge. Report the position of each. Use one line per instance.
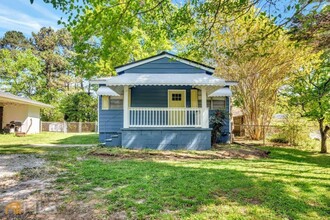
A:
(180, 59)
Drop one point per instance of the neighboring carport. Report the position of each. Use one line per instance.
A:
(20, 111)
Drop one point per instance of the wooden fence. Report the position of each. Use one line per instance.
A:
(69, 127)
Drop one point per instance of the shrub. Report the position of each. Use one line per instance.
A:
(279, 139)
(217, 121)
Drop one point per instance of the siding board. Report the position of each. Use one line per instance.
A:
(155, 96)
(165, 65)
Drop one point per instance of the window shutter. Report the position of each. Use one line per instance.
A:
(194, 98)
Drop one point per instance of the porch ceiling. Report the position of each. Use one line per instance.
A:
(175, 79)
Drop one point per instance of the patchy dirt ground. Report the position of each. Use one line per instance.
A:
(219, 152)
(29, 180)
(11, 164)
(30, 191)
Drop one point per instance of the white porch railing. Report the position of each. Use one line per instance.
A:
(165, 117)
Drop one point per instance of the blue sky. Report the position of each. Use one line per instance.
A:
(20, 15)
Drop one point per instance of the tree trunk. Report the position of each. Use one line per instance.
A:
(89, 89)
(324, 143)
(323, 133)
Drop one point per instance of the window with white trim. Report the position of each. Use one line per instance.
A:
(214, 103)
(218, 104)
(116, 103)
(111, 102)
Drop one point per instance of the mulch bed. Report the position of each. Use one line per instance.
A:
(218, 152)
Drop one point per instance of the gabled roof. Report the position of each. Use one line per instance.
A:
(163, 55)
(10, 98)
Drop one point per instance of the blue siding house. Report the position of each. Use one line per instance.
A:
(163, 102)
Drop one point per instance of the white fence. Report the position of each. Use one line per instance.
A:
(69, 127)
(165, 117)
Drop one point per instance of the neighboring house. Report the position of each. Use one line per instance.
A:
(21, 112)
(162, 102)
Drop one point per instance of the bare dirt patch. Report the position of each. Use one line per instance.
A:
(219, 152)
(33, 192)
(11, 164)
(30, 180)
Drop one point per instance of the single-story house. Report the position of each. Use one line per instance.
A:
(19, 114)
(161, 102)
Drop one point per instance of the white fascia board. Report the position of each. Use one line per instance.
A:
(231, 83)
(98, 81)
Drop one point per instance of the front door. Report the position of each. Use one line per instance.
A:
(176, 104)
(1, 117)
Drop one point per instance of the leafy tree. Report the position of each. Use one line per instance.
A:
(14, 40)
(55, 49)
(40, 67)
(114, 32)
(313, 29)
(260, 67)
(51, 47)
(19, 72)
(107, 34)
(79, 107)
(311, 93)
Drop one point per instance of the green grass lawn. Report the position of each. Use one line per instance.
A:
(291, 184)
(49, 138)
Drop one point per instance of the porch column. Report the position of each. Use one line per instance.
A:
(205, 111)
(126, 110)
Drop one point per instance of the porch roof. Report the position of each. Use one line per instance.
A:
(175, 79)
(221, 92)
(103, 90)
(6, 97)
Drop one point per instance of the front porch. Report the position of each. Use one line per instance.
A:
(159, 117)
(177, 107)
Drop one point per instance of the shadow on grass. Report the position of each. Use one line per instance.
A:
(295, 156)
(161, 190)
(79, 139)
(22, 149)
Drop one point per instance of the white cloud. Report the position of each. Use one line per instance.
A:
(23, 26)
(42, 10)
(26, 22)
